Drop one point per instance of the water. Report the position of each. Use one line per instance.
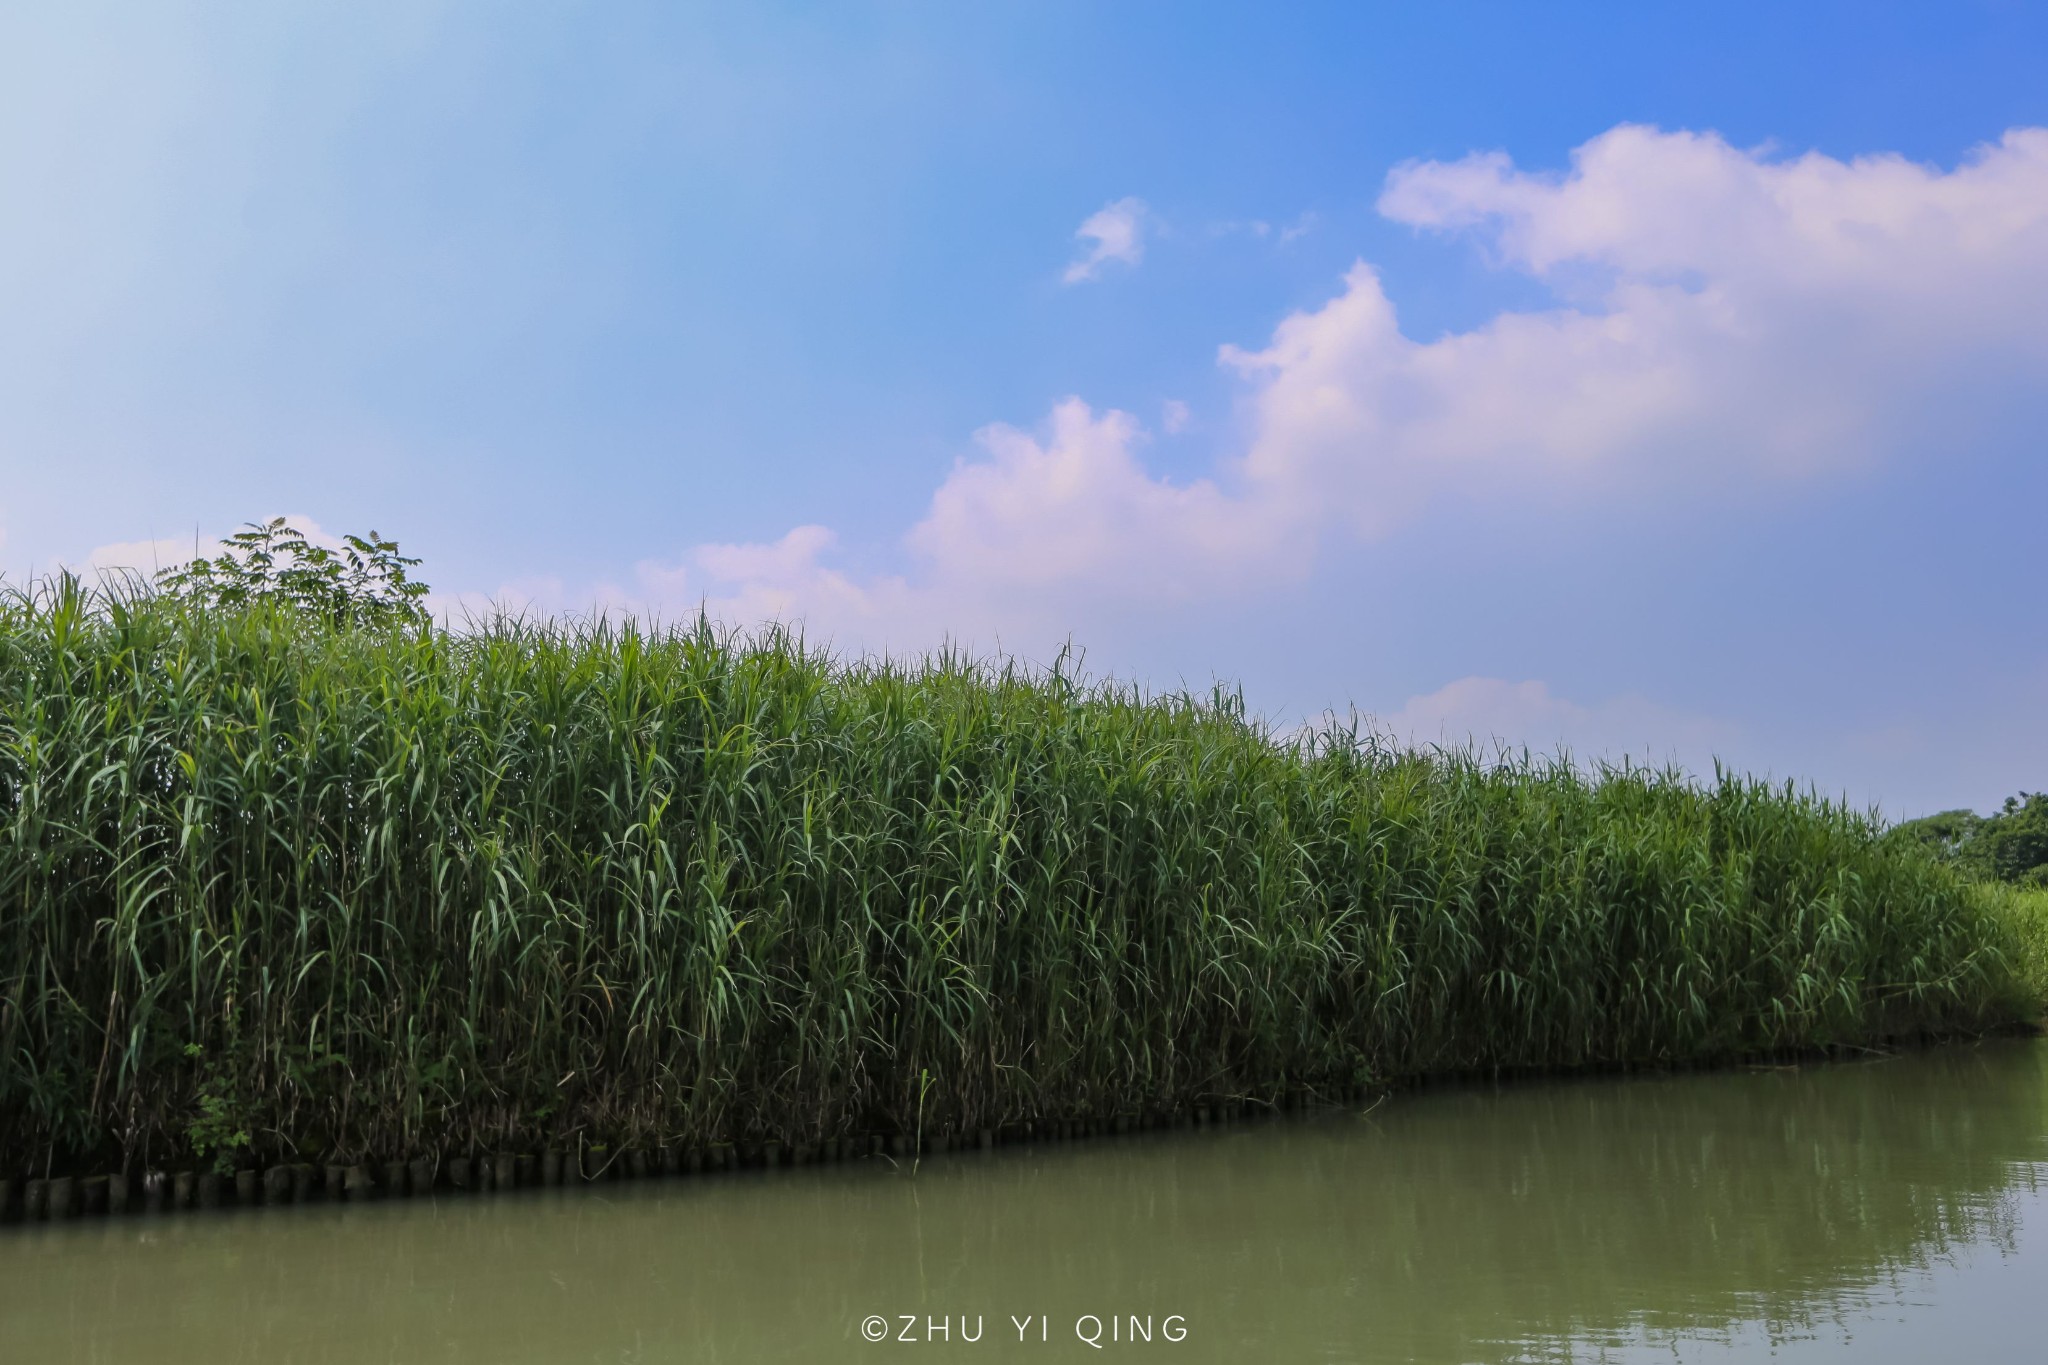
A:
(1892, 1210)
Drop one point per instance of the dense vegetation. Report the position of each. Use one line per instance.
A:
(277, 883)
(2008, 846)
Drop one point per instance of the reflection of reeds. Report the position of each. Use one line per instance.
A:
(1519, 1223)
(380, 894)
(1784, 1198)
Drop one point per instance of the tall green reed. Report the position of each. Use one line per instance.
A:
(392, 891)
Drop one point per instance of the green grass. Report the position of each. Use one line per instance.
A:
(361, 893)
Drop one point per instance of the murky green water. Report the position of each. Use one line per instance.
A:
(1885, 1211)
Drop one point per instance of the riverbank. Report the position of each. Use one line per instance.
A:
(1882, 1209)
(281, 897)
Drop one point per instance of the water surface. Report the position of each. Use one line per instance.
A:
(1890, 1210)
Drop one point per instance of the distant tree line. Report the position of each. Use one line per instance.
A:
(2008, 846)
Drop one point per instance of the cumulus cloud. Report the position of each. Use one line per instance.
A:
(1740, 319)
(740, 584)
(1077, 505)
(147, 557)
(1017, 543)
(1116, 232)
(1962, 755)
(1174, 416)
(1492, 713)
(782, 580)
(1725, 319)
(1018, 539)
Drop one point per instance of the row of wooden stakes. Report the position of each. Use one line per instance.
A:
(64, 1197)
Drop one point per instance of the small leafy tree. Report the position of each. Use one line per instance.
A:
(364, 583)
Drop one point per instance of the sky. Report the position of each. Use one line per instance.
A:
(1663, 381)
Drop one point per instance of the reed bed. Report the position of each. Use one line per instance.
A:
(272, 890)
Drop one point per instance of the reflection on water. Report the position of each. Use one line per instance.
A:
(1883, 1210)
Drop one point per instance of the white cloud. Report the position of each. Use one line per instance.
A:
(1742, 320)
(1733, 320)
(147, 557)
(741, 584)
(1117, 232)
(1492, 713)
(782, 581)
(1963, 754)
(1174, 416)
(1078, 508)
(1017, 546)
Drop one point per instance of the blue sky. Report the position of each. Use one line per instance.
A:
(1647, 379)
